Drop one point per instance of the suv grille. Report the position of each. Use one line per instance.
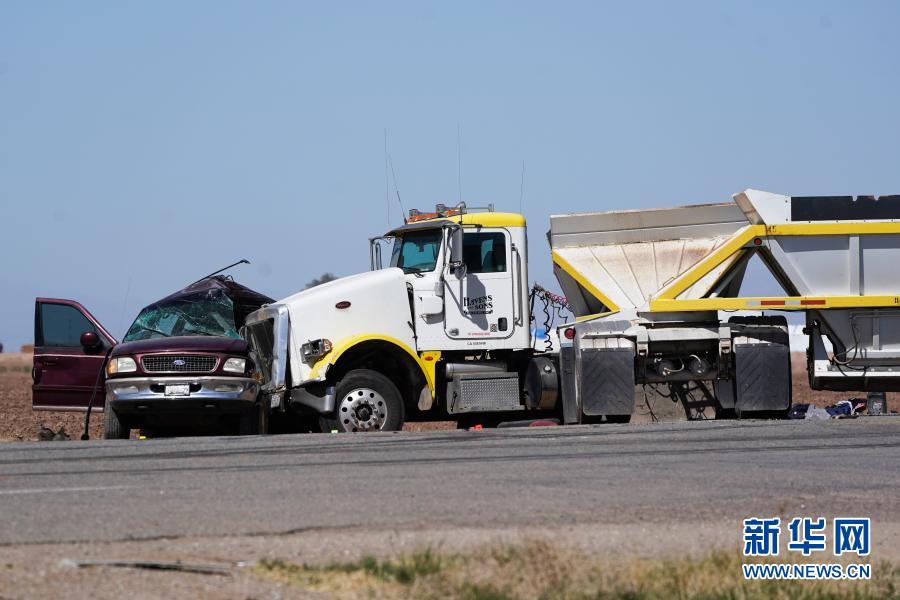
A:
(178, 363)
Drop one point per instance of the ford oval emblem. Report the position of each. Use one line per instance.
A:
(178, 362)
(342, 304)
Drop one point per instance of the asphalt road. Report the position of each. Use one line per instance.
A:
(111, 490)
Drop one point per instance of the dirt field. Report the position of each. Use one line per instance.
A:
(18, 422)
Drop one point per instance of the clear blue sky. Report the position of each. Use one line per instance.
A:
(143, 145)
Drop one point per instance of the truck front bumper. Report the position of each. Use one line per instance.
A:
(206, 394)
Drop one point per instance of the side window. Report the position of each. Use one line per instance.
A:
(484, 252)
(62, 326)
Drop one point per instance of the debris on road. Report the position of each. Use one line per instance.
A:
(45, 434)
(154, 565)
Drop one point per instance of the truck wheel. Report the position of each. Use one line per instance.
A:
(114, 427)
(365, 401)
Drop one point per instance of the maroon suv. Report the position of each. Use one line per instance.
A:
(182, 366)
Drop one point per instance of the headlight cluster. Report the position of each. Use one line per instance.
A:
(313, 349)
(126, 364)
(121, 364)
(235, 365)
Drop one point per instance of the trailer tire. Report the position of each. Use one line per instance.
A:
(114, 427)
(584, 419)
(598, 419)
(365, 400)
(618, 418)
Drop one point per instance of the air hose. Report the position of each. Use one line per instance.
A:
(87, 417)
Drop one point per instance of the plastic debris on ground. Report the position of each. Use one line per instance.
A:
(841, 409)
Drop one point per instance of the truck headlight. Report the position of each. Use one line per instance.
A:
(313, 349)
(121, 364)
(235, 365)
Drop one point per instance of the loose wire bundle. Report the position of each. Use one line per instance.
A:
(554, 307)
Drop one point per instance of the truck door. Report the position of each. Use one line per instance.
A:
(480, 304)
(64, 371)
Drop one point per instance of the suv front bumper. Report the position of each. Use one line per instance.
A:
(207, 394)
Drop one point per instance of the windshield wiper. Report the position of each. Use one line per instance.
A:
(409, 270)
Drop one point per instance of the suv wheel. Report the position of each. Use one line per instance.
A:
(114, 427)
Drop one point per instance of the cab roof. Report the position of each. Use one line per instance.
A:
(479, 219)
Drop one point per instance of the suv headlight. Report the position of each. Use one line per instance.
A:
(121, 364)
(235, 365)
(313, 349)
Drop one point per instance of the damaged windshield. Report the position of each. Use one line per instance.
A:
(204, 313)
(417, 251)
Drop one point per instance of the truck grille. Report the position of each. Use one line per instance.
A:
(178, 363)
(262, 340)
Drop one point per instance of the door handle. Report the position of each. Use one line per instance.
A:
(50, 360)
(518, 299)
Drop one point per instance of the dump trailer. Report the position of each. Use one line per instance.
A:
(443, 328)
(654, 292)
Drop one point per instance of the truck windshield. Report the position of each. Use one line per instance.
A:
(417, 251)
(208, 314)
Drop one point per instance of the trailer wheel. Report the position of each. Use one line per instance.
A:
(584, 419)
(114, 427)
(618, 418)
(365, 400)
(598, 419)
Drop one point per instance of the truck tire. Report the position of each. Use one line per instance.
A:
(114, 427)
(365, 400)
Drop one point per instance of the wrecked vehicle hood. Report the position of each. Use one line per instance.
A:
(193, 343)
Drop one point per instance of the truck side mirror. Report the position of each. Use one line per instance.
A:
(377, 264)
(375, 252)
(89, 340)
(456, 249)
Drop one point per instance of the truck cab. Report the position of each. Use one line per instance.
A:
(441, 330)
(467, 277)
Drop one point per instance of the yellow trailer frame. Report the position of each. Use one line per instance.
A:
(748, 237)
(754, 236)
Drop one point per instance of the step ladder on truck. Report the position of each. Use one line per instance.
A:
(653, 289)
(441, 329)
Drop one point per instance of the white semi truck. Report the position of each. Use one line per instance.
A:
(444, 331)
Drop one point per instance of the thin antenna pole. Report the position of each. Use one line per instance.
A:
(387, 193)
(459, 161)
(124, 304)
(243, 261)
(397, 189)
(522, 188)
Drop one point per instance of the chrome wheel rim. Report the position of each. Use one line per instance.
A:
(362, 409)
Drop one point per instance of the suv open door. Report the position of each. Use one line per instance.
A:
(69, 346)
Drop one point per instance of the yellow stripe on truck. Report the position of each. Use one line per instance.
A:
(566, 266)
(782, 303)
(338, 348)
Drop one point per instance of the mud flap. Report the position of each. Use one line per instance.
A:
(567, 384)
(607, 381)
(763, 378)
